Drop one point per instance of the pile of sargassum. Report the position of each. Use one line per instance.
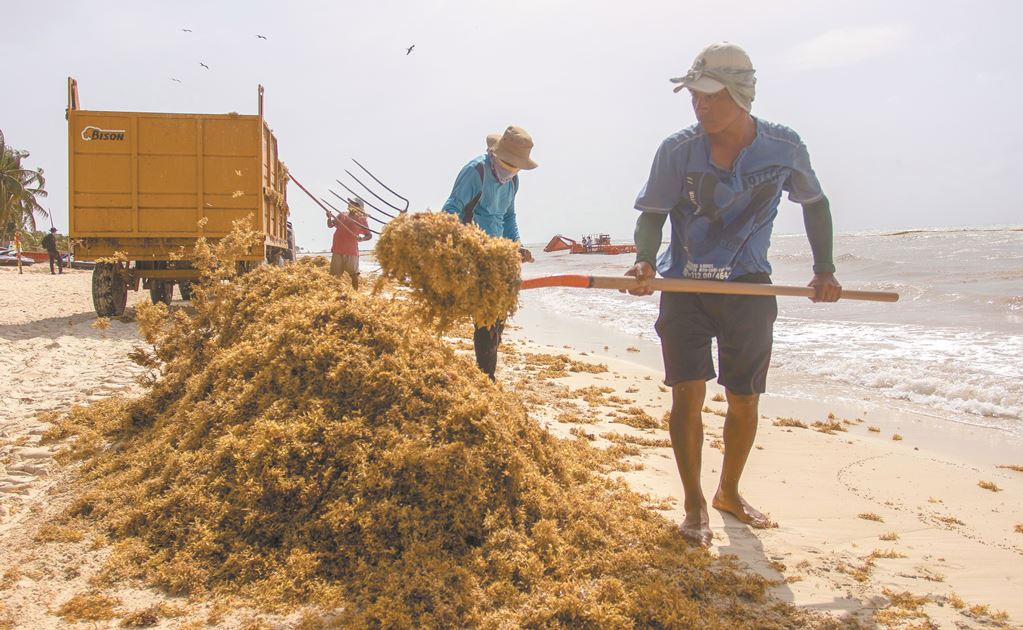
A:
(304, 444)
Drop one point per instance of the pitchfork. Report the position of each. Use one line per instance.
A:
(328, 207)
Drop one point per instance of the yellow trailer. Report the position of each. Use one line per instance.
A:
(147, 185)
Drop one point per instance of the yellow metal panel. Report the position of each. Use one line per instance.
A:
(231, 201)
(167, 136)
(72, 116)
(230, 175)
(167, 200)
(158, 221)
(135, 174)
(103, 200)
(103, 174)
(199, 165)
(167, 174)
(100, 133)
(137, 248)
(231, 136)
(103, 220)
(220, 220)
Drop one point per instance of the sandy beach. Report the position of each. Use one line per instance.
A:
(882, 516)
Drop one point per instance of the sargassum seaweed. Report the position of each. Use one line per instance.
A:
(455, 271)
(302, 444)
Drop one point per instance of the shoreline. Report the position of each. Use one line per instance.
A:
(821, 488)
(939, 537)
(936, 433)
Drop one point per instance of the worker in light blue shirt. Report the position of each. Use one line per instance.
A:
(484, 194)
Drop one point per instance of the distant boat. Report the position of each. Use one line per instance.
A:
(590, 244)
(45, 257)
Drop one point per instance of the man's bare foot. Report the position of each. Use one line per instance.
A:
(740, 509)
(696, 529)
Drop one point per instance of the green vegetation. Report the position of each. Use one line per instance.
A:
(20, 190)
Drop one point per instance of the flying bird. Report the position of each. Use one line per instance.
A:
(261, 36)
(204, 65)
(175, 80)
(408, 51)
(187, 30)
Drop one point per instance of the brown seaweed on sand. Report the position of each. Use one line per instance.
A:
(302, 445)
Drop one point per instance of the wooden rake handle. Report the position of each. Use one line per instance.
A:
(696, 286)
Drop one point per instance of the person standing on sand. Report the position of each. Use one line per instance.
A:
(17, 249)
(49, 243)
(720, 182)
(349, 231)
(484, 194)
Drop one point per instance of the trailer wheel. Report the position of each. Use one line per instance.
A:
(161, 291)
(109, 290)
(186, 289)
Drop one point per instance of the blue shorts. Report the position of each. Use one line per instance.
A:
(742, 324)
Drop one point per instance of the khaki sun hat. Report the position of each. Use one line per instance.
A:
(513, 147)
(492, 139)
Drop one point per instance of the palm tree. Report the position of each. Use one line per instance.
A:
(19, 190)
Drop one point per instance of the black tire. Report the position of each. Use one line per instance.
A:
(109, 290)
(185, 288)
(161, 291)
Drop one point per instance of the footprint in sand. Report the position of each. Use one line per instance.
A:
(37, 452)
(30, 467)
(29, 464)
(16, 484)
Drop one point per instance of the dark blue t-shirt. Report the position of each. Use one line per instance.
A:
(721, 220)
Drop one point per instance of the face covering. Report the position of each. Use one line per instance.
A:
(502, 174)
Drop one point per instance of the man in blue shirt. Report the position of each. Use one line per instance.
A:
(720, 182)
(484, 194)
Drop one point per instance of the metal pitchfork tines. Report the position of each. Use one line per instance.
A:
(372, 192)
(328, 207)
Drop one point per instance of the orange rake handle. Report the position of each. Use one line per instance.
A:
(696, 286)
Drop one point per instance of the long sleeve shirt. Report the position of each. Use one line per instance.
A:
(494, 211)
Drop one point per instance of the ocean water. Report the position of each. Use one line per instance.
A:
(952, 347)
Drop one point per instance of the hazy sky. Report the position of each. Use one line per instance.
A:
(909, 109)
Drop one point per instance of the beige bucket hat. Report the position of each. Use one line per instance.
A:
(720, 66)
(513, 147)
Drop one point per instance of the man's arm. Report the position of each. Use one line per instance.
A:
(511, 231)
(649, 227)
(661, 193)
(330, 221)
(817, 220)
(467, 185)
(511, 223)
(364, 233)
(819, 231)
